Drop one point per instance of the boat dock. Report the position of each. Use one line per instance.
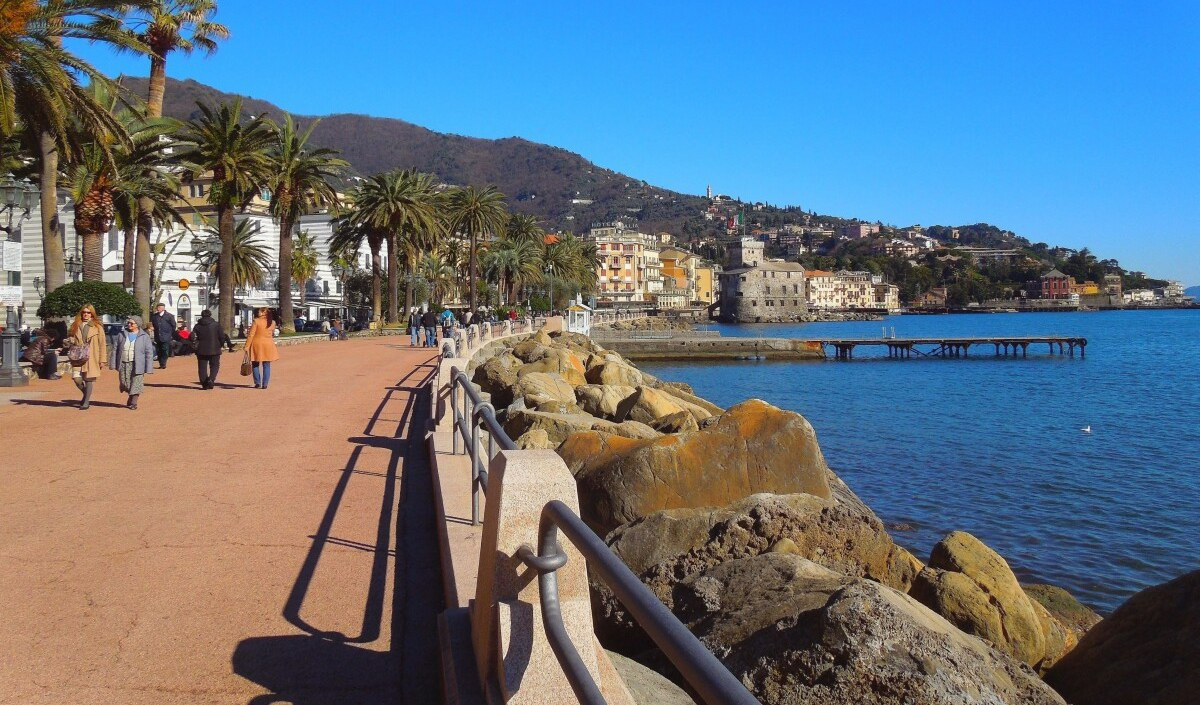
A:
(843, 349)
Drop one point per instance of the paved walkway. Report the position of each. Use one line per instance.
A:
(226, 546)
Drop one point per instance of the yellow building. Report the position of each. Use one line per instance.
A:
(706, 283)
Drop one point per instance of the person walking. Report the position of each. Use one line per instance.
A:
(260, 347)
(87, 334)
(164, 333)
(429, 323)
(132, 358)
(414, 326)
(208, 337)
(42, 355)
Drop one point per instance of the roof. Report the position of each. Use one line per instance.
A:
(817, 273)
(769, 267)
(1054, 274)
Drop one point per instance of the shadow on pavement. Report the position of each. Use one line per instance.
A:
(323, 667)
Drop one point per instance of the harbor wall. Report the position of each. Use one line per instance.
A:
(714, 348)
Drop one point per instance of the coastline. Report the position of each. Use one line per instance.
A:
(612, 423)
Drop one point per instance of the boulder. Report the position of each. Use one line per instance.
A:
(645, 685)
(560, 407)
(498, 376)
(1059, 639)
(540, 387)
(559, 361)
(612, 370)
(517, 422)
(1147, 651)
(754, 447)
(576, 342)
(680, 387)
(629, 429)
(795, 632)
(688, 400)
(537, 439)
(1071, 613)
(679, 422)
(606, 401)
(972, 586)
(649, 405)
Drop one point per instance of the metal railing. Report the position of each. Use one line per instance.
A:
(703, 672)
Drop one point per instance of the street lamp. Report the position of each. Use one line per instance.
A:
(339, 272)
(13, 195)
(74, 267)
(550, 271)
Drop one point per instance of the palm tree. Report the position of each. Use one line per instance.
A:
(249, 260)
(303, 266)
(440, 276)
(300, 182)
(172, 27)
(395, 204)
(235, 151)
(476, 212)
(41, 89)
(525, 227)
(512, 264)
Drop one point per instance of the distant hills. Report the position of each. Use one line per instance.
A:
(567, 190)
(1192, 291)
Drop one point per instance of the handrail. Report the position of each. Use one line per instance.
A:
(702, 671)
(468, 430)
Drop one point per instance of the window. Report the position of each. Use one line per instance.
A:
(112, 241)
(325, 286)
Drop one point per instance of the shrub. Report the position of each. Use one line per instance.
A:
(108, 299)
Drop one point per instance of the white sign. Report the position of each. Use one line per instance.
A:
(10, 296)
(10, 256)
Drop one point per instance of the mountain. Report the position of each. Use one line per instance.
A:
(1192, 291)
(537, 179)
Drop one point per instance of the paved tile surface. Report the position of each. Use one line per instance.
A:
(226, 546)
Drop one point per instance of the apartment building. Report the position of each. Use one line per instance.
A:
(628, 267)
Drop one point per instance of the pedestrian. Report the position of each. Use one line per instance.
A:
(260, 347)
(429, 322)
(133, 358)
(414, 326)
(208, 338)
(241, 329)
(42, 355)
(86, 338)
(164, 333)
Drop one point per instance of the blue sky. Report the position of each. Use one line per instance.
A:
(1069, 123)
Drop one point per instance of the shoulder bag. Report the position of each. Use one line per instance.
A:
(78, 354)
(247, 368)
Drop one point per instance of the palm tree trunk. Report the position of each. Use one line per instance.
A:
(141, 262)
(285, 276)
(376, 270)
(471, 295)
(411, 266)
(393, 266)
(130, 237)
(93, 267)
(158, 87)
(225, 267)
(52, 246)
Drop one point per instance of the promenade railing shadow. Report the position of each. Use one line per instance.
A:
(328, 667)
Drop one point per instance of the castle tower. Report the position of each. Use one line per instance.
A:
(710, 192)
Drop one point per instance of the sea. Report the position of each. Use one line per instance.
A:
(996, 446)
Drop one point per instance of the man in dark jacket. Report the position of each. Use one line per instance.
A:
(429, 321)
(208, 338)
(164, 332)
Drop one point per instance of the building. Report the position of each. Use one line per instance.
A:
(628, 268)
(679, 270)
(1171, 293)
(1088, 288)
(845, 290)
(1112, 284)
(934, 298)
(858, 230)
(746, 253)
(984, 255)
(707, 283)
(1052, 285)
(901, 248)
(766, 293)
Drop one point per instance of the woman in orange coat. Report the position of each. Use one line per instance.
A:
(260, 347)
(88, 332)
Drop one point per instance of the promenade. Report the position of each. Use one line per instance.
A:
(224, 546)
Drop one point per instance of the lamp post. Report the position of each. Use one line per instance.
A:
(74, 267)
(13, 195)
(550, 271)
(339, 273)
(10, 347)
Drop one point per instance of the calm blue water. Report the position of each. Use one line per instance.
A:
(994, 447)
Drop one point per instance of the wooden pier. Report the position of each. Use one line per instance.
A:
(956, 347)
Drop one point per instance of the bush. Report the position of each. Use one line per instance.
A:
(109, 299)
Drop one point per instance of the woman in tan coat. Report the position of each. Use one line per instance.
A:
(88, 332)
(260, 347)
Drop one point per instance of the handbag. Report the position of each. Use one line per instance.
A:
(246, 366)
(78, 354)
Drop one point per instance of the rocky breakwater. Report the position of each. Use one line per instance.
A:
(734, 520)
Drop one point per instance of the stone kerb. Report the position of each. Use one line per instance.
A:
(506, 620)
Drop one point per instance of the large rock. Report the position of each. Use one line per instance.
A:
(688, 399)
(498, 376)
(609, 368)
(645, 685)
(1147, 652)
(540, 387)
(576, 342)
(754, 447)
(679, 422)
(1070, 612)
(537, 439)
(606, 401)
(795, 632)
(674, 545)
(649, 405)
(558, 427)
(972, 586)
(559, 361)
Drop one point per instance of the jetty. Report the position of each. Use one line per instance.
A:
(900, 348)
(709, 345)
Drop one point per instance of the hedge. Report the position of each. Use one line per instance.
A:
(108, 299)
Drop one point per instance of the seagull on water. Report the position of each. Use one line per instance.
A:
(1087, 429)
